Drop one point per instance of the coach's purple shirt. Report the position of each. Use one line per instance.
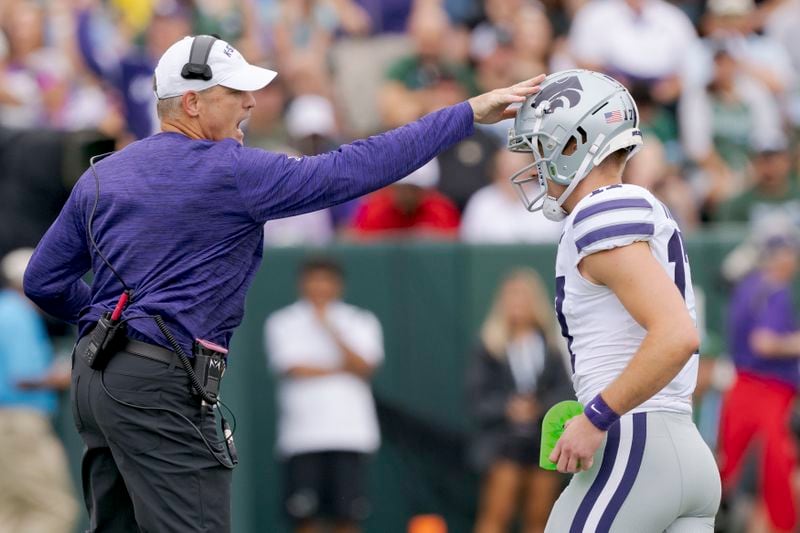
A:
(759, 304)
(181, 220)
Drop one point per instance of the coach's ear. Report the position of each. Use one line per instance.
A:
(190, 102)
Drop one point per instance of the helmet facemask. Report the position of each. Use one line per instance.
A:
(547, 170)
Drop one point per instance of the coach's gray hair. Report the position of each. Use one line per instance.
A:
(168, 107)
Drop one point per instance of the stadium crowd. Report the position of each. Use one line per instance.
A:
(717, 83)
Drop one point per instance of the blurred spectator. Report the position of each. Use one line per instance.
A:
(518, 372)
(230, 19)
(35, 488)
(519, 26)
(324, 353)
(266, 127)
(659, 121)
(781, 26)
(636, 41)
(775, 188)
(129, 71)
(651, 170)
(765, 346)
(494, 214)
(303, 33)
(734, 23)
(514, 43)
(311, 124)
(309, 229)
(561, 14)
(387, 16)
(428, 79)
(312, 129)
(41, 86)
(410, 207)
(720, 122)
(467, 166)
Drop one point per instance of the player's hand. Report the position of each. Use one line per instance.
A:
(575, 449)
(492, 107)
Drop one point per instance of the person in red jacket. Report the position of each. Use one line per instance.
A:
(408, 208)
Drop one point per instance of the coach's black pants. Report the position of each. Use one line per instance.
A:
(146, 469)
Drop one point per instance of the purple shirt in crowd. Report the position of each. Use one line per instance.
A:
(759, 304)
(181, 221)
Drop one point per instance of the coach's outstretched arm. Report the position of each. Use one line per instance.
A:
(653, 300)
(276, 186)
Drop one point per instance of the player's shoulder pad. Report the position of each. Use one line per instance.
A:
(613, 216)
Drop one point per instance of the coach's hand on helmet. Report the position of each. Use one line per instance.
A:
(575, 449)
(492, 107)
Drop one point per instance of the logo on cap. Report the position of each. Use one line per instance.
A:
(228, 51)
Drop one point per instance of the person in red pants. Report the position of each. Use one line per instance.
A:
(765, 345)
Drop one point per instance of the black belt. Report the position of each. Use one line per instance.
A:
(149, 351)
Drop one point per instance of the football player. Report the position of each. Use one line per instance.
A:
(625, 304)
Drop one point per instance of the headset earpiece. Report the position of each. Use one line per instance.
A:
(197, 67)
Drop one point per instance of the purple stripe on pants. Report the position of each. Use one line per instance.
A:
(629, 476)
(609, 456)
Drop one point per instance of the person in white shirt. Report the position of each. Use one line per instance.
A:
(324, 352)
(494, 215)
(639, 41)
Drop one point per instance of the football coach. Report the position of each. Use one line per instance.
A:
(171, 227)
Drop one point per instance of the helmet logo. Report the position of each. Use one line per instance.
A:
(565, 93)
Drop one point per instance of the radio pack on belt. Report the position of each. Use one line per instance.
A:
(106, 335)
(209, 365)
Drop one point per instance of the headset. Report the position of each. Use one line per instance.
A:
(197, 68)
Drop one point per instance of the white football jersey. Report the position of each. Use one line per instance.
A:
(601, 335)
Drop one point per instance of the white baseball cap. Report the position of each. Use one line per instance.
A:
(227, 68)
(310, 114)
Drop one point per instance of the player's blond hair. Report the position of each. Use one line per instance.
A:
(495, 331)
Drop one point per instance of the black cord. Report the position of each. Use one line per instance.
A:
(187, 365)
(91, 221)
(174, 412)
(222, 405)
(218, 403)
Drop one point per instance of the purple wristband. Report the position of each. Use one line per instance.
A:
(600, 414)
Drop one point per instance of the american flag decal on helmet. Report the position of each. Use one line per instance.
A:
(613, 116)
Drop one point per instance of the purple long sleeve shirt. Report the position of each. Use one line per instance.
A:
(758, 304)
(181, 220)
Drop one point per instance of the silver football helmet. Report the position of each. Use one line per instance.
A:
(589, 108)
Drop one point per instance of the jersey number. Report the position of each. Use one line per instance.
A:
(676, 254)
